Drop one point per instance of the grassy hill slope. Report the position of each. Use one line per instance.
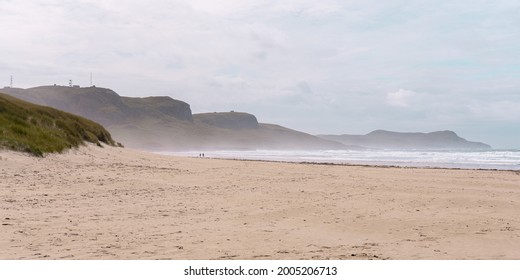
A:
(38, 130)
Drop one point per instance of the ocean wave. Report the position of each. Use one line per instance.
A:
(477, 159)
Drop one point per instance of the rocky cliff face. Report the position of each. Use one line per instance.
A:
(159, 106)
(230, 120)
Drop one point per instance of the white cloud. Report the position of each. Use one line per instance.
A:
(400, 98)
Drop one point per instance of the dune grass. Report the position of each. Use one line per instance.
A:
(39, 130)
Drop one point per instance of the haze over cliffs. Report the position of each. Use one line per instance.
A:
(163, 123)
(381, 139)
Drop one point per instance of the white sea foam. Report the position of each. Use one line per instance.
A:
(487, 159)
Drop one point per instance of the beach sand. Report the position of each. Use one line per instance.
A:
(115, 203)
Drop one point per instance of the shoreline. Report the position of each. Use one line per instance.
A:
(472, 160)
(367, 165)
(344, 164)
(115, 203)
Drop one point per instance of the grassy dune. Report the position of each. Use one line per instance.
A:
(39, 130)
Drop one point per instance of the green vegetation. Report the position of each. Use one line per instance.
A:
(39, 130)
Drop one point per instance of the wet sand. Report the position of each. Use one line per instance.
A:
(114, 203)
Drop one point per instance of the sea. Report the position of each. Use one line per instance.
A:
(463, 159)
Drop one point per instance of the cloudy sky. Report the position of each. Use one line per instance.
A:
(318, 66)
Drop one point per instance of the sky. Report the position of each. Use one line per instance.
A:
(322, 67)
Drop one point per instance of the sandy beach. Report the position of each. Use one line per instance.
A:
(115, 203)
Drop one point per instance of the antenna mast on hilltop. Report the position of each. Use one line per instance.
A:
(11, 83)
(90, 79)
